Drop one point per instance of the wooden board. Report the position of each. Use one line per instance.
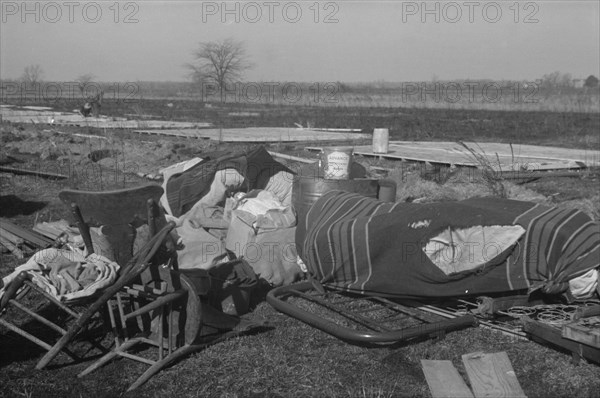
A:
(444, 380)
(75, 119)
(80, 121)
(37, 173)
(38, 108)
(578, 331)
(541, 332)
(492, 375)
(504, 150)
(522, 158)
(29, 236)
(260, 134)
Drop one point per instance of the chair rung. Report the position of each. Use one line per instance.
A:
(23, 333)
(135, 357)
(52, 299)
(38, 317)
(159, 302)
(148, 289)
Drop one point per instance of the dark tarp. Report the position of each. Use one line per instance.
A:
(187, 188)
(362, 245)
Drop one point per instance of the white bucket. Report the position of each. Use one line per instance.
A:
(336, 163)
(381, 139)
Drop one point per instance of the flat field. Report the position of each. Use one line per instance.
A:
(289, 358)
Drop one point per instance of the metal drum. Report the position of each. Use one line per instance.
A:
(306, 190)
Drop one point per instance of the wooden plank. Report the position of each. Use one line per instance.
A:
(584, 312)
(547, 334)
(444, 380)
(12, 238)
(583, 334)
(504, 149)
(259, 134)
(492, 375)
(13, 249)
(29, 236)
(520, 152)
(38, 108)
(37, 173)
(464, 158)
(492, 305)
(74, 119)
(76, 134)
(339, 130)
(54, 229)
(290, 157)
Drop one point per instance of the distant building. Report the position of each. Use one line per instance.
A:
(578, 83)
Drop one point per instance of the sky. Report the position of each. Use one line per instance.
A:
(304, 41)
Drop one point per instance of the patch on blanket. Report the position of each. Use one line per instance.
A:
(464, 249)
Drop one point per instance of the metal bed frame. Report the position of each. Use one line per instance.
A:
(361, 319)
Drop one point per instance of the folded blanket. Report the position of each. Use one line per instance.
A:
(67, 275)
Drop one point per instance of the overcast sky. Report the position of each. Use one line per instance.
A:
(304, 41)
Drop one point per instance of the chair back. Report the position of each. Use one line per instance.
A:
(117, 212)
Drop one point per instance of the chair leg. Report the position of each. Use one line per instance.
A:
(109, 356)
(85, 317)
(131, 271)
(182, 352)
(169, 359)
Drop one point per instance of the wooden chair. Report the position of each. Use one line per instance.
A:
(150, 303)
(115, 210)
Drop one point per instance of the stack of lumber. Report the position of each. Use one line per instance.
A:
(21, 241)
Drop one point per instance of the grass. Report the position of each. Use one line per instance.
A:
(290, 358)
(293, 359)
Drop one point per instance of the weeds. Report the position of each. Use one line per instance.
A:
(492, 176)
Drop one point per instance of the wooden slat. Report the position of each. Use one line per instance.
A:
(73, 119)
(492, 375)
(464, 158)
(29, 236)
(14, 239)
(522, 159)
(584, 312)
(583, 334)
(504, 150)
(294, 158)
(11, 246)
(541, 332)
(47, 230)
(444, 380)
(260, 134)
(37, 173)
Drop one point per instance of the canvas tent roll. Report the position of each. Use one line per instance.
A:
(362, 245)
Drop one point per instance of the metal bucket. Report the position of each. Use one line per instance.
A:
(336, 162)
(381, 140)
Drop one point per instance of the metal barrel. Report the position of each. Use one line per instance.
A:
(306, 190)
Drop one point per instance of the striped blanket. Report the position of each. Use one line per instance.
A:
(362, 245)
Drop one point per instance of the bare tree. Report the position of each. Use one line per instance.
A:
(219, 63)
(32, 74)
(82, 80)
(557, 80)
